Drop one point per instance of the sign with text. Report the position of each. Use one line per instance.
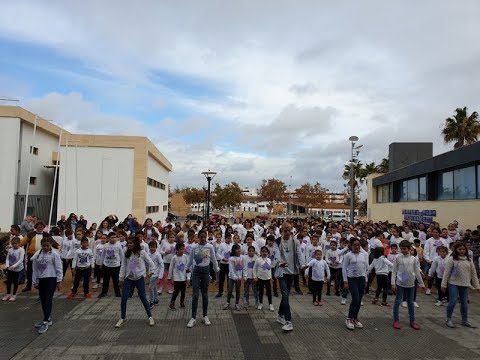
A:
(419, 216)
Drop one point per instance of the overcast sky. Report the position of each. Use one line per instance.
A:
(250, 89)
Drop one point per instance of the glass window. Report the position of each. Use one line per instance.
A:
(445, 186)
(412, 190)
(403, 191)
(386, 193)
(464, 182)
(422, 188)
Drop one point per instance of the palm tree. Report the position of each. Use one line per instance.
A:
(383, 166)
(369, 169)
(461, 128)
(358, 172)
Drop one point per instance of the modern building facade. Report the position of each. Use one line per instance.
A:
(441, 188)
(97, 174)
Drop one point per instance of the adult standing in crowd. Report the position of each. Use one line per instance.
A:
(27, 225)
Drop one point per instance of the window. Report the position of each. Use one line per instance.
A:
(33, 180)
(165, 207)
(33, 150)
(152, 209)
(412, 190)
(155, 183)
(464, 183)
(422, 188)
(445, 186)
(403, 191)
(162, 186)
(383, 193)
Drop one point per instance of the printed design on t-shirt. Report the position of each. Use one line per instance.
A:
(404, 276)
(132, 266)
(333, 259)
(181, 267)
(454, 270)
(41, 265)
(110, 254)
(226, 255)
(437, 243)
(250, 264)
(266, 266)
(238, 265)
(441, 269)
(172, 249)
(200, 254)
(100, 252)
(12, 259)
(188, 249)
(82, 258)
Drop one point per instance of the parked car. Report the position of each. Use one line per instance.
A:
(194, 217)
(172, 216)
(216, 218)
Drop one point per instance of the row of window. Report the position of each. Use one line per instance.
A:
(155, 209)
(458, 184)
(155, 183)
(33, 150)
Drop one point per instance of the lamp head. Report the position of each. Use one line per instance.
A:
(353, 138)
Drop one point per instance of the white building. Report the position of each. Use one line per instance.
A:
(98, 175)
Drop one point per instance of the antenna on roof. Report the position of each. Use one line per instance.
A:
(5, 98)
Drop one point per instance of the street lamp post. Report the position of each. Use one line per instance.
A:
(353, 140)
(209, 175)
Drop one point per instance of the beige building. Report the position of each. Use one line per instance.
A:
(441, 188)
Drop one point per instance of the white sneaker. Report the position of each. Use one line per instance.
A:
(95, 286)
(6, 297)
(415, 304)
(151, 322)
(259, 307)
(237, 307)
(272, 308)
(191, 323)
(226, 306)
(404, 304)
(120, 323)
(206, 321)
(170, 291)
(344, 301)
(438, 303)
(357, 324)
(288, 326)
(350, 324)
(159, 292)
(281, 320)
(428, 292)
(361, 303)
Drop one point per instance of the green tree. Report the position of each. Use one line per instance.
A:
(311, 195)
(358, 172)
(193, 195)
(272, 191)
(383, 166)
(229, 197)
(461, 128)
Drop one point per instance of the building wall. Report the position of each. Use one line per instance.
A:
(157, 196)
(95, 182)
(9, 142)
(46, 144)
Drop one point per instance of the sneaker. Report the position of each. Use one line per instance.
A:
(38, 324)
(414, 325)
(182, 305)
(43, 328)
(151, 305)
(343, 301)
(358, 324)
(120, 323)
(6, 297)
(464, 323)
(101, 295)
(172, 307)
(219, 295)
(12, 298)
(170, 291)
(206, 321)
(350, 324)
(288, 326)
(271, 308)
(247, 303)
(191, 323)
(259, 307)
(374, 301)
(450, 324)
(226, 306)
(281, 319)
(101, 281)
(415, 304)
(438, 303)
(159, 292)
(151, 322)
(404, 304)
(428, 292)
(88, 296)
(320, 303)
(396, 325)
(95, 286)
(155, 302)
(71, 295)
(361, 303)
(385, 304)
(237, 307)
(315, 303)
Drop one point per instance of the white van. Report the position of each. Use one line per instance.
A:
(339, 216)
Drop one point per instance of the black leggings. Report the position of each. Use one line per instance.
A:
(65, 264)
(179, 287)
(110, 272)
(12, 279)
(316, 288)
(82, 274)
(261, 284)
(382, 286)
(222, 276)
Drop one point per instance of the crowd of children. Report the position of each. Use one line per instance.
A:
(252, 255)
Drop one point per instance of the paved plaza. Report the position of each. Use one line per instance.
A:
(84, 329)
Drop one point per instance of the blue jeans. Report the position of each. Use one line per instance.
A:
(408, 294)
(200, 281)
(286, 283)
(153, 288)
(454, 292)
(128, 288)
(46, 289)
(356, 285)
